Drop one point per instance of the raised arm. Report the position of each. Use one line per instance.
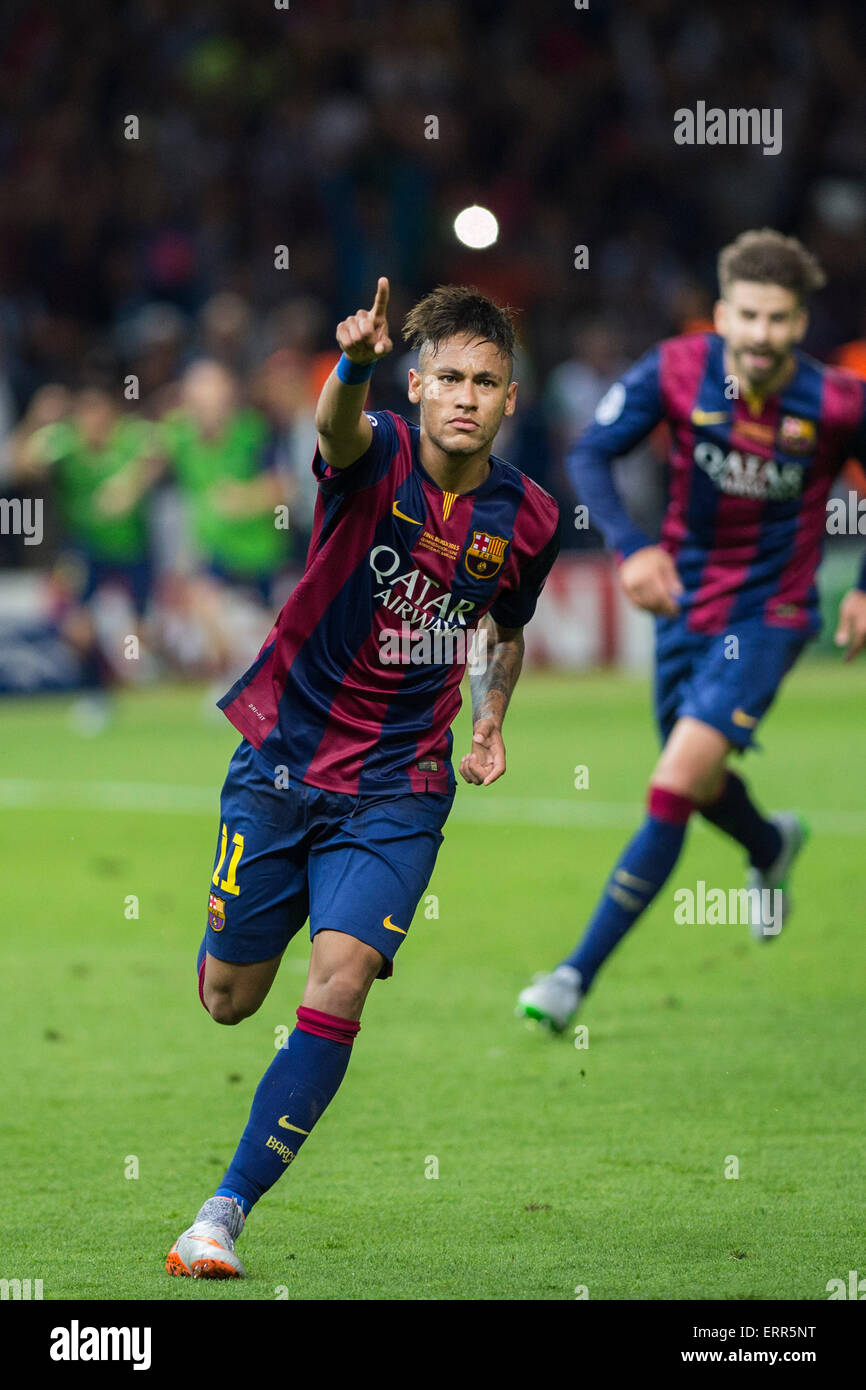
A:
(343, 429)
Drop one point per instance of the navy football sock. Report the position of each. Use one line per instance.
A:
(294, 1091)
(640, 873)
(738, 816)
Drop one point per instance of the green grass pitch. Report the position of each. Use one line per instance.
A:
(558, 1168)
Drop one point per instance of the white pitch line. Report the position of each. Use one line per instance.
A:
(471, 806)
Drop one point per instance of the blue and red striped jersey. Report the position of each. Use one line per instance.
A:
(746, 513)
(391, 553)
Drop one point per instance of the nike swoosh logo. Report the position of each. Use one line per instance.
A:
(386, 922)
(710, 417)
(745, 721)
(283, 1123)
(396, 510)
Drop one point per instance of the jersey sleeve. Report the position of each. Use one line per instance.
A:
(515, 607)
(629, 411)
(51, 443)
(366, 470)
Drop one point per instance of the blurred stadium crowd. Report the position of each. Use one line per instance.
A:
(307, 127)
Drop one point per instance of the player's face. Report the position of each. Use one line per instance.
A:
(760, 325)
(210, 396)
(464, 391)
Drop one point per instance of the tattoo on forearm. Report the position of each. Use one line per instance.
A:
(491, 688)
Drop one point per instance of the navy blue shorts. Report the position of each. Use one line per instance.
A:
(354, 864)
(728, 680)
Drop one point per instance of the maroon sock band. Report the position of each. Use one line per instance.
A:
(201, 971)
(341, 1030)
(669, 806)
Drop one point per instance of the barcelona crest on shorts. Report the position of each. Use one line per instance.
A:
(216, 912)
(485, 555)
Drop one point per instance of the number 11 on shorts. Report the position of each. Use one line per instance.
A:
(229, 883)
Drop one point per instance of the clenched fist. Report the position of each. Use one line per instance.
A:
(649, 578)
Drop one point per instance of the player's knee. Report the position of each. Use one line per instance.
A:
(684, 778)
(341, 991)
(224, 1007)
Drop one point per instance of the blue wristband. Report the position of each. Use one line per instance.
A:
(352, 373)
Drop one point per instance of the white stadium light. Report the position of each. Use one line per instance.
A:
(476, 227)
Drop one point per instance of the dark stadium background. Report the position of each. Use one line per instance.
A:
(306, 128)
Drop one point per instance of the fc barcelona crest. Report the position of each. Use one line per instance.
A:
(796, 436)
(485, 555)
(216, 912)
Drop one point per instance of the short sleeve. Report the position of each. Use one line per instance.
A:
(629, 411)
(515, 607)
(369, 468)
(50, 443)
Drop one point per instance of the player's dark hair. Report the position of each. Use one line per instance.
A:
(766, 257)
(457, 309)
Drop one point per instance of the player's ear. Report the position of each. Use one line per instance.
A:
(511, 398)
(415, 385)
(720, 317)
(801, 323)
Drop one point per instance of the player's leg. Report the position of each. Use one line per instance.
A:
(690, 769)
(75, 582)
(234, 990)
(342, 969)
(369, 865)
(258, 898)
(710, 696)
(307, 1071)
(735, 696)
(553, 996)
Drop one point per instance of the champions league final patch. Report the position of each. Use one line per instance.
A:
(216, 912)
(796, 436)
(485, 555)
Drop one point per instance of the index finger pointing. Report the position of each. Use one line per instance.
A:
(380, 303)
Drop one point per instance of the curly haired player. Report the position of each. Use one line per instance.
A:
(758, 433)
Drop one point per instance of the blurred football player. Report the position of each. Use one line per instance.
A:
(758, 433)
(102, 464)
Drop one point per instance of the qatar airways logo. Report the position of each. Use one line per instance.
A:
(412, 596)
(749, 475)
